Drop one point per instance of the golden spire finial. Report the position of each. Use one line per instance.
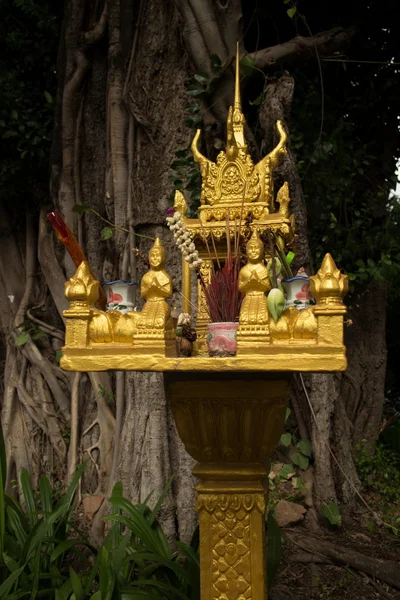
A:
(237, 119)
(237, 101)
(233, 179)
(157, 243)
(329, 286)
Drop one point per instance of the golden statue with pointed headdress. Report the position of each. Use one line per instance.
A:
(254, 283)
(156, 285)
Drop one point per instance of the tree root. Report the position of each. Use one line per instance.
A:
(384, 570)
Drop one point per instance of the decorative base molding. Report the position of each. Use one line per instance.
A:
(230, 423)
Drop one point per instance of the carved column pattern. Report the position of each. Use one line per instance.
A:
(202, 315)
(230, 527)
(231, 427)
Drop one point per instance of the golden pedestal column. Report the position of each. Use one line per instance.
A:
(230, 423)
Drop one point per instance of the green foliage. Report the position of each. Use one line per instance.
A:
(286, 439)
(352, 213)
(332, 513)
(185, 173)
(300, 460)
(135, 560)
(45, 556)
(287, 471)
(380, 472)
(391, 437)
(106, 233)
(28, 330)
(274, 547)
(31, 562)
(29, 31)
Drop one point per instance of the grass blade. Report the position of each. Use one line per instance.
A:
(29, 497)
(77, 586)
(159, 502)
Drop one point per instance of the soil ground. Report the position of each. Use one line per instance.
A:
(326, 580)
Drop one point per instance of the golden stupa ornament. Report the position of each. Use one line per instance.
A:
(234, 182)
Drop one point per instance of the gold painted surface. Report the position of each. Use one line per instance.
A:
(234, 188)
(147, 332)
(329, 286)
(233, 182)
(231, 426)
(254, 283)
(277, 357)
(308, 340)
(235, 421)
(156, 285)
(232, 542)
(294, 325)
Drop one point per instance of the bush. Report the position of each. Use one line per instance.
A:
(40, 544)
(380, 472)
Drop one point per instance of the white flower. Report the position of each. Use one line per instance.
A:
(183, 240)
(183, 319)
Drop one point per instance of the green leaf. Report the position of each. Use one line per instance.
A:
(48, 97)
(332, 513)
(289, 257)
(291, 12)
(247, 64)
(286, 439)
(287, 414)
(286, 472)
(22, 338)
(298, 484)
(300, 460)
(29, 498)
(9, 133)
(107, 576)
(215, 64)
(76, 585)
(106, 233)
(195, 91)
(81, 208)
(202, 77)
(59, 355)
(67, 545)
(273, 548)
(6, 585)
(14, 115)
(157, 507)
(257, 101)
(305, 447)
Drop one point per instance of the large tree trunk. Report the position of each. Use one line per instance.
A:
(344, 409)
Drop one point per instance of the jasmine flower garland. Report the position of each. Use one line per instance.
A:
(183, 238)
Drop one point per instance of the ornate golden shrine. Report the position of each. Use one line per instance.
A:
(229, 411)
(233, 188)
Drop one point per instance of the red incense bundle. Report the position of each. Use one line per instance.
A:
(66, 236)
